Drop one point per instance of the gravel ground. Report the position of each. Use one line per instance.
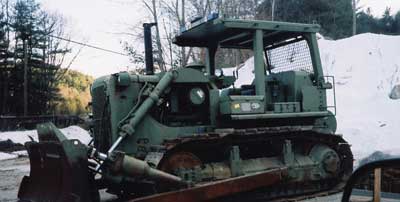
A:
(11, 173)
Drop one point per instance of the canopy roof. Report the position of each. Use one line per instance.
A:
(234, 33)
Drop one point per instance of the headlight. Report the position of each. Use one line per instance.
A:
(219, 72)
(197, 96)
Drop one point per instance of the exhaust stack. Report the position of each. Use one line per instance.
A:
(148, 48)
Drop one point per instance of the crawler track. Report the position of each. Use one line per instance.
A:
(267, 142)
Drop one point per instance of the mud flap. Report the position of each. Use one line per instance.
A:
(59, 171)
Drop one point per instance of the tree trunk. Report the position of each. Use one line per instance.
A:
(182, 24)
(5, 91)
(25, 78)
(161, 61)
(354, 3)
(273, 10)
(6, 78)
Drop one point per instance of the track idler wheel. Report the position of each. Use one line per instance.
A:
(328, 159)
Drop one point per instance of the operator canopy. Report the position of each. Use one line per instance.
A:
(238, 34)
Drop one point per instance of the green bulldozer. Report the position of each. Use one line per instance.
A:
(188, 135)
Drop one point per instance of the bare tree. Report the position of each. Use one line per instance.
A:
(171, 17)
(354, 17)
(356, 8)
(273, 10)
(153, 10)
(175, 11)
(182, 26)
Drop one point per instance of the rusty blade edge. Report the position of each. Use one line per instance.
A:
(221, 188)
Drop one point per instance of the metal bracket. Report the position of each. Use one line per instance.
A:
(332, 78)
(288, 154)
(235, 161)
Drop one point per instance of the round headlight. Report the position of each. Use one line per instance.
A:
(219, 72)
(197, 96)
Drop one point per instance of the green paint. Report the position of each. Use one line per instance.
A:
(144, 116)
(167, 96)
(149, 109)
(259, 66)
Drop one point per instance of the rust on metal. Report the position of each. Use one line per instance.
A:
(214, 190)
(180, 160)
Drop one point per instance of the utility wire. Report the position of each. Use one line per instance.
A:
(88, 45)
(85, 44)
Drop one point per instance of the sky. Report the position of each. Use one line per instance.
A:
(379, 6)
(101, 22)
(98, 23)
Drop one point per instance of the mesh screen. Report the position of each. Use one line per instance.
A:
(290, 57)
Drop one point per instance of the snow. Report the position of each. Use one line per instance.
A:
(6, 156)
(245, 72)
(366, 69)
(20, 153)
(71, 132)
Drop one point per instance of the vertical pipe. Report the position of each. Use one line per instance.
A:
(259, 66)
(148, 48)
(210, 60)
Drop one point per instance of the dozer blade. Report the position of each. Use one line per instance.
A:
(220, 189)
(59, 171)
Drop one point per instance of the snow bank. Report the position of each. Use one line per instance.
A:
(245, 73)
(366, 69)
(20, 153)
(6, 156)
(71, 132)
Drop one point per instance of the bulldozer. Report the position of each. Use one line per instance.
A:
(190, 134)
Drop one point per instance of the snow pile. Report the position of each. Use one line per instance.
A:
(366, 69)
(71, 132)
(6, 156)
(245, 72)
(13, 155)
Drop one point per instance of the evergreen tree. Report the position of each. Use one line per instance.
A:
(397, 22)
(386, 23)
(6, 87)
(335, 17)
(24, 17)
(30, 59)
(366, 22)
